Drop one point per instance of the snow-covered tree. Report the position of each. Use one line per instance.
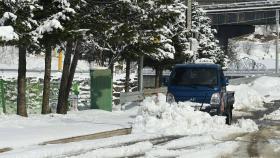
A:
(19, 15)
(54, 28)
(163, 34)
(208, 44)
(152, 28)
(112, 31)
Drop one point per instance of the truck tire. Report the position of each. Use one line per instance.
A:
(229, 116)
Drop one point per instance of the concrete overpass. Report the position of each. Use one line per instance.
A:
(246, 13)
(233, 18)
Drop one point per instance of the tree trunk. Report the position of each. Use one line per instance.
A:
(73, 67)
(47, 79)
(21, 100)
(140, 73)
(158, 77)
(62, 105)
(112, 65)
(127, 75)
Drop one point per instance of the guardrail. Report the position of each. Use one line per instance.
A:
(229, 73)
(151, 72)
(139, 96)
(248, 73)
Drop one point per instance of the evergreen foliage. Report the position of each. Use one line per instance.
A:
(208, 45)
(108, 31)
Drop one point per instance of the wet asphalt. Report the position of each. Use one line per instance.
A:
(264, 143)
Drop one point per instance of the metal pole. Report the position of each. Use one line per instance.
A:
(189, 15)
(140, 73)
(277, 40)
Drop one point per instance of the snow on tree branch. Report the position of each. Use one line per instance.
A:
(7, 33)
(7, 16)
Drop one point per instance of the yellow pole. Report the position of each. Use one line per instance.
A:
(60, 56)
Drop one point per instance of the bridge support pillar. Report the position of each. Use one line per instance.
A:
(225, 32)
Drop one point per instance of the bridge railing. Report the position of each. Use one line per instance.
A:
(247, 67)
(239, 4)
(246, 64)
(208, 2)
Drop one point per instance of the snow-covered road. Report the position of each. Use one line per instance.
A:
(158, 130)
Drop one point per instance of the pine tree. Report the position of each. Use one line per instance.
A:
(164, 36)
(19, 15)
(208, 45)
(55, 28)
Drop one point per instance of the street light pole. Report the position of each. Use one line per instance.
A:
(140, 73)
(189, 14)
(277, 40)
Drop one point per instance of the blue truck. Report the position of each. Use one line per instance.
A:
(204, 84)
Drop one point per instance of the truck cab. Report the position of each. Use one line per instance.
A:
(204, 84)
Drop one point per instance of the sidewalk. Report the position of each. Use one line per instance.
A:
(17, 132)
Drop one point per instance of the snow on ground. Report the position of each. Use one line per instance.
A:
(16, 131)
(98, 146)
(122, 151)
(207, 150)
(259, 46)
(263, 53)
(154, 118)
(252, 96)
(214, 151)
(273, 116)
(202, 135)
(194, 146)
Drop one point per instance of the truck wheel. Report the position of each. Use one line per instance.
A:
(229, 116)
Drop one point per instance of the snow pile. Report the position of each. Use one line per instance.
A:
(268, 87)
(273, 116)
(259, 46)
(246, 97)
(253, 95)
(157, 116)
(260, 52)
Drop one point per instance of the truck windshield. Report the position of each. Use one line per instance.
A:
(194, 77)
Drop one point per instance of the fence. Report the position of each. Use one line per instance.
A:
(34, 93)
(139, 96)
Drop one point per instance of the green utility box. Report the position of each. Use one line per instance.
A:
(101, 89)
(2, 96)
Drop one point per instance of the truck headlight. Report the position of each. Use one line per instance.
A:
(215, 99)
(170, 98)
